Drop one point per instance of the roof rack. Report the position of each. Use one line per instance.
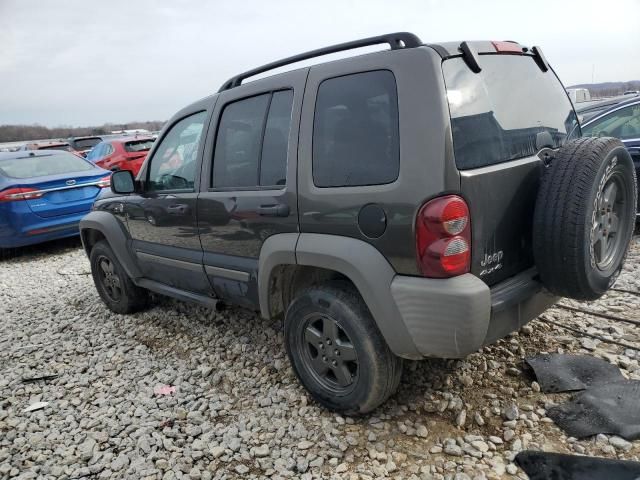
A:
(395, 40)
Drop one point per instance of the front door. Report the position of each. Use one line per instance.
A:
(248, 186)
(162, 220)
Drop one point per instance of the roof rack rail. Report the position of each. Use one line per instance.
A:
(395, 40)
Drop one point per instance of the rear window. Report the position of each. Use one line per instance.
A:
(43, 165)
(503, 112)
(86, 143)
(139, 145)
(64, 147)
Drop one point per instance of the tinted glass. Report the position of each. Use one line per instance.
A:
(355, 131)
(273, 162)
(238, 144)
(498, 114)
(64, 147)
(623, 123)
(85, 143)
(138, 145)
(173, 166)
(43, 166)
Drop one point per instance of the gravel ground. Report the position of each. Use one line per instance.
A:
(238, 411)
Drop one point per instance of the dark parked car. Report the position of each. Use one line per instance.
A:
(421, 201)
(589, 110)
(121, 153)
(44, 194)
(622, 120)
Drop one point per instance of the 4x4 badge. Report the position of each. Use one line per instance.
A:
(491, 262)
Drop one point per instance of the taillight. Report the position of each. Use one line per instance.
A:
(443, 237)
(104, 182)
(21, 193)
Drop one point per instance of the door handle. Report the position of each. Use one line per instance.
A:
(177, 209)
(278, 210)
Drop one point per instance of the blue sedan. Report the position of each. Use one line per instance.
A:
(44, 194)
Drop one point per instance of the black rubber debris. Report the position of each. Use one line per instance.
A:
(558, 466)
(37, 379)
(613, 408)
(565, 373)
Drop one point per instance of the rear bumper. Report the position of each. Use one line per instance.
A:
(12, 236)
(451, 318)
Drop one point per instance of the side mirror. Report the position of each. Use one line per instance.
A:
(123, 182)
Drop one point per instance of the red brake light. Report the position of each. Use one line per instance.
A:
(443, 237)
(18, 194)
(507, 47)
(105, 182)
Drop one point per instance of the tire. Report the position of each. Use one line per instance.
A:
(113, 284)
(579, 251)
(335, 310)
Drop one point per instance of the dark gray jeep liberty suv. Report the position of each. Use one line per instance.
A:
(419, 201)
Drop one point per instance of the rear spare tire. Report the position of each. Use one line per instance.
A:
(584, 217)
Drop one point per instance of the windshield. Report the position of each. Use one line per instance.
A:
(505, 112)
(43, 165)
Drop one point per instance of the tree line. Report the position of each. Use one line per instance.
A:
(17, 133)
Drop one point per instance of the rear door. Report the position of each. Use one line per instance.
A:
(248, 186)
(501, 119)
(162, 218)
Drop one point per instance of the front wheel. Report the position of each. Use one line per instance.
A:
(337, 351)
(113, 284)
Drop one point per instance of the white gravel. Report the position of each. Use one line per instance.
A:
(238, 411)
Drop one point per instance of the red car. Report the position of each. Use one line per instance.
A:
(121, 153)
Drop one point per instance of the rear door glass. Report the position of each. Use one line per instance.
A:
(506, 111)
(355, 131)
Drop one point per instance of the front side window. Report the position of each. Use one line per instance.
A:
(252, 142)
(174, 163)
(623, 123)
(355, 131)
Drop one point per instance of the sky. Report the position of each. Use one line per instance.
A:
(88, 62)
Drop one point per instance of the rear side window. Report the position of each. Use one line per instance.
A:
(506, 111)
(43, 165)
(355, 131)
(252, 142)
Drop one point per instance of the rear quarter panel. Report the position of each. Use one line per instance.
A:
(426, 162)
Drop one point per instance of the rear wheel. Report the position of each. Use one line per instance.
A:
(584, 217)
(113, 284)
(337, 351)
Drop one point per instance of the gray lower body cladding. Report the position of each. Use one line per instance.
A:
(452, 318)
